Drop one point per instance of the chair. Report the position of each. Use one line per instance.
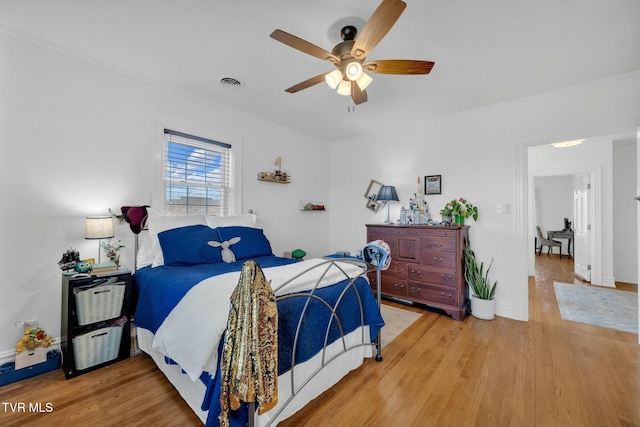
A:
(547, 242)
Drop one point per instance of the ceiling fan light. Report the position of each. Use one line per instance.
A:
(353, 70)
(363, 81)
(344, 88)
(333, 78)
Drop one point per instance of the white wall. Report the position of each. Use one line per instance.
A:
(477, 152)
(77, 139)
(625, 227)
(556, 203)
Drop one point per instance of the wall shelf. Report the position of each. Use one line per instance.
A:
(277, 177)
(311, 206)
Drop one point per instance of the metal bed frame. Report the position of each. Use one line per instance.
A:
(373, 252)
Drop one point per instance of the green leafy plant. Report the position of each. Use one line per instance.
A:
(460, 207)
(476, 277)
(111, 249)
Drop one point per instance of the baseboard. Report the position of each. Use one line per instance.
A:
(626, 278)
(579, 277)
(609, 282)
(7, 356)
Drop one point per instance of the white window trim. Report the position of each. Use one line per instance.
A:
(157, 151)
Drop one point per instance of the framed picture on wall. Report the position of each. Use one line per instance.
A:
(433, 184)
(373, 190)
(374, 205)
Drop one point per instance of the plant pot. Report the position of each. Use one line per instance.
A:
(446, 218)
(483, 308)
(459, 220)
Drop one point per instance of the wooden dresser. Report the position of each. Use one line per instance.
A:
(427, 265)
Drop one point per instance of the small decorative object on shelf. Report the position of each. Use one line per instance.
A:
(308, 205)
(69, 260)
(278, 175)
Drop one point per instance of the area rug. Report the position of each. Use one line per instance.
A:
(396, 320)
(608, 308)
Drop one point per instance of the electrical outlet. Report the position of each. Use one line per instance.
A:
(498, 208)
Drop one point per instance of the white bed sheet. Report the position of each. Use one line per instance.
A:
(193, 392)
(206, 308)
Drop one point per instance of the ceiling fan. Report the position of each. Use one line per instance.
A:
(349, 56)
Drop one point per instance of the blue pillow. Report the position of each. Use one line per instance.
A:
(188, 246)
(253, 243)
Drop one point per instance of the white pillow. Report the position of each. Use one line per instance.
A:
(244, 220)
(158, 223)
(144, 257)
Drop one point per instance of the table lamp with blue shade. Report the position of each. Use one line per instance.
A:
(388, 194)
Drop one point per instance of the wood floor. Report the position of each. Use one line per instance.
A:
(439, 372)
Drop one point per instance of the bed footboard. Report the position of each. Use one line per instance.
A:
(350, 323)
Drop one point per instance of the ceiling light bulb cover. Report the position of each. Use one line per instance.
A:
(333, 78)
(353, 70)
(344, 88)
(567, 143)
(363, 81)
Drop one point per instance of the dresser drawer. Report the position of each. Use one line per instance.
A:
(439, 276)
(439, 259)
(391, 285)
(440, 244)
(380, 234)
(432, 294)
(396, 269)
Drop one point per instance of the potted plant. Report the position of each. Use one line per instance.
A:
(447, 213)
(111, 250)
(482, 302)
(461, 209)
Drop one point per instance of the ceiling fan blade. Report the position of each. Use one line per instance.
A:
(377, 27)
(398, 66)
(307, 83)
(358, 96)
(304, 46)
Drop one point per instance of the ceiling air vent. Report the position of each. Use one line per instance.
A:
(230, 82)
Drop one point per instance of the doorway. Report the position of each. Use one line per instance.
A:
(525, 237)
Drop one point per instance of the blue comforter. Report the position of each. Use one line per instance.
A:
(160, 289)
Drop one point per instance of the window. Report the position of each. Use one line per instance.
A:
(197, 175)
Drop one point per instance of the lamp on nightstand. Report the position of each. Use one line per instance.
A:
(98, 228)
(388, 194)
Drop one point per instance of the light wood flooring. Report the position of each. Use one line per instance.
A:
(439, 372)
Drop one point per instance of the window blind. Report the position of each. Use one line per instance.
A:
(198, 175)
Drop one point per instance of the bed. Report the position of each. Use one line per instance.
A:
(328, 317)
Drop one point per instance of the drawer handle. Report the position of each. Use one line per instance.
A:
(438, 259)
(447, 296)
(415, 273)
(398, 286)
(398, 269)
(437, 245)
(415, 290)
(447, 277)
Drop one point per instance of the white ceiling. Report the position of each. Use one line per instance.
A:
(485, 52)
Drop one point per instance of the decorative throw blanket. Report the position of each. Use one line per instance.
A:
(249, 363)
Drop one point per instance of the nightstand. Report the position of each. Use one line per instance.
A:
(96, 320)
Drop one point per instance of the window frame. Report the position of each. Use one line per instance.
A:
(159, 161)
